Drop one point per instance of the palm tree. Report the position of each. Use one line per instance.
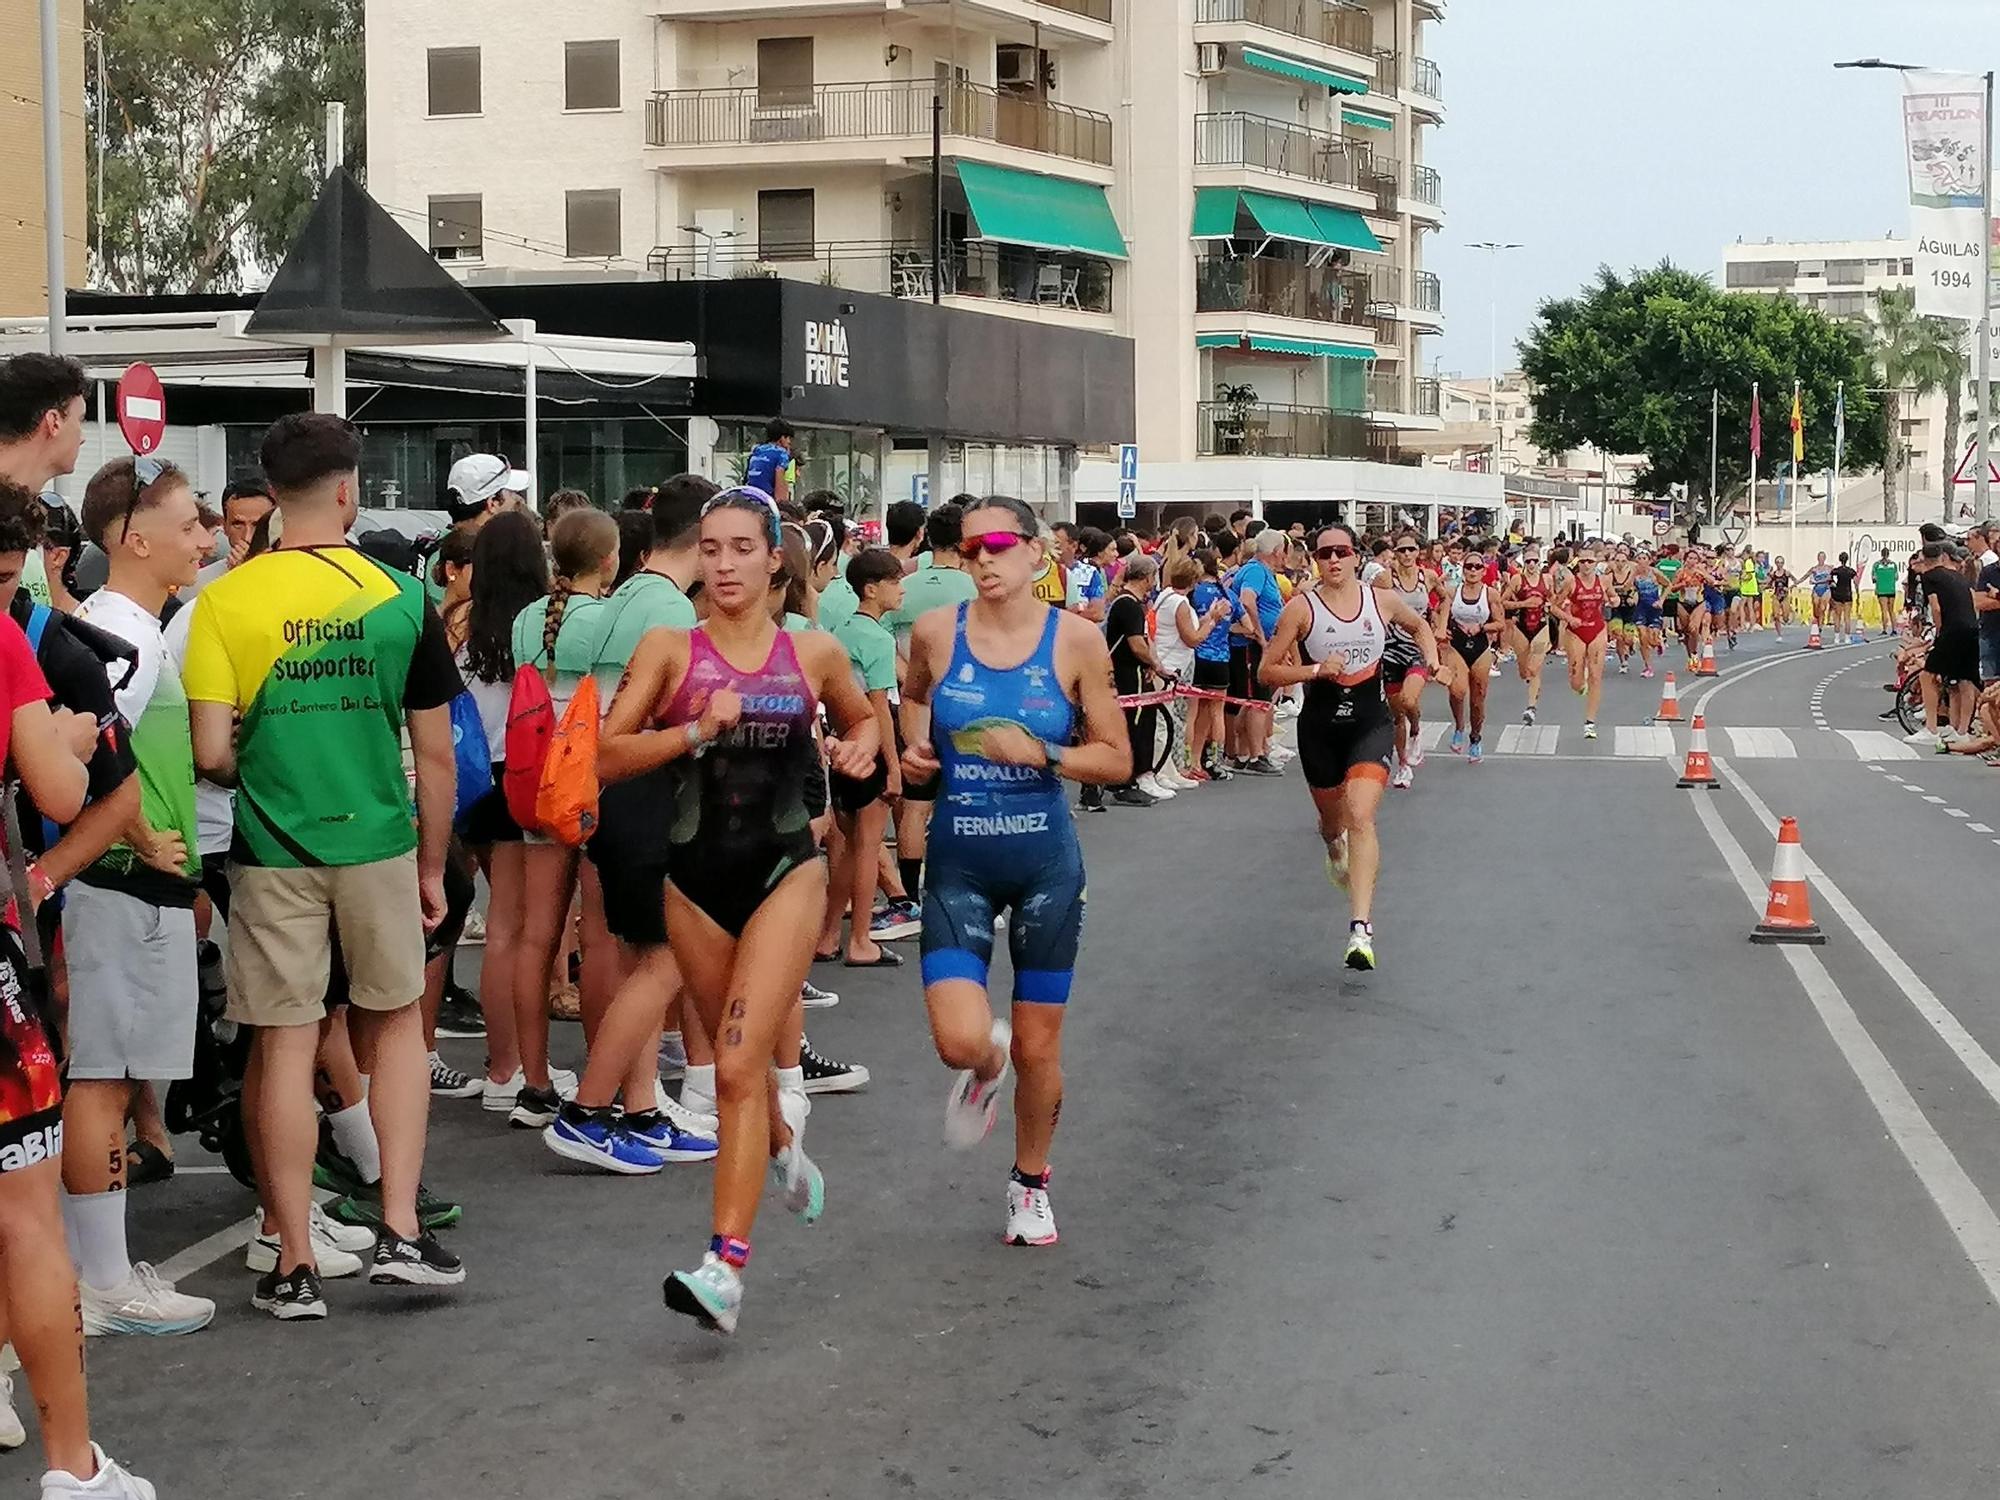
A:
(1942, 362)
(1915, 356)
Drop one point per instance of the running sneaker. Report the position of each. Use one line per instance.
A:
(1458, 742)
(1590, 729)
(1494, 670)
(1131, 796)
(497, 1095)
(1416, 756)
(364, 1209)
(1150, 785)
(459, 1015)
(535, 1109)
(1920, 737)
(972, 1106)
(597, 1138)
(337, 1248)
(291, 1298)
(145, 1302)
(711, 1294)
(418, 1262)
(1263, 765)
(1402, 777)
(1475, 752)
(1528, 714)
(687, 1121)
(825, 1076)
(110, 1482)
(333, 1170)
(1647, 673)
(799, 1182)
(811, 996)
(12, 1433)
(662, 1135)
(1360, 945)
(895, 922)
(1029, 1219)
(1196, 776)
(448, 1083)
(1336, 863)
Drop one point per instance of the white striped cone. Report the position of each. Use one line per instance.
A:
(1813, 642)
(1708, 667)
(1788, 913)
(1698, 772)
(1670, 705)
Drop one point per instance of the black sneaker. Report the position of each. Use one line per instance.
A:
(1261, 766)
(289, 1297)
(1131, 796)
(418, 1262)
(459, 1014)
(535, 1109)
(333, 1169)
(825, 1076)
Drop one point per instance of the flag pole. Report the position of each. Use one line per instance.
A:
(1754, 444)
(1794, 543)
(1714, 451)
(1839, 438)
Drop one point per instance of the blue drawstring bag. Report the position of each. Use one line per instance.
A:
(469, 748)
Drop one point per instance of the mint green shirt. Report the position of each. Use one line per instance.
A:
(929, 588)
(643, 602)
(577, 642)
(871, 650)
(836, 602)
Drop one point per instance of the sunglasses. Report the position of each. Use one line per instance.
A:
(147, 471)
(1337, 549)
(1406, 549)
(989, 544)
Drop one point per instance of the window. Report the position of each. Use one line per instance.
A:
(1763, 272)
(785, 72)
(455, 227)
(590, 75)
(785, 224)
(454, 80)
(593, 222)
(1909, 268)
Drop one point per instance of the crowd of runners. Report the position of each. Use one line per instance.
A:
(701, 754)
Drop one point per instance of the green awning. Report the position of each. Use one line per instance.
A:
(1215, 213)
(1048, 213)
(1284, 218)
(1312, 348)
(1344, 228)
(1270, 62)
(1365, 120)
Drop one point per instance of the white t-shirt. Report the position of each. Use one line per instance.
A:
(1174, 654)
(1370, 571)
(491, 698)
(214, 806)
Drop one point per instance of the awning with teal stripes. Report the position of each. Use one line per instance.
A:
(1048, 213)
(1343, 228)
(1268, 344)
(1366, 120)
(1215, 213)
(1282, 218)
(1285, 67)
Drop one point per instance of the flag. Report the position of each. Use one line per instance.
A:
(1798, 428)
(1756, 427)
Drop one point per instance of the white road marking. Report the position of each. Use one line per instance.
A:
(1524, 739)
(1875, 744)
(1648, 740)
(1935, 799)
(1966, 1213)
(1761, 744)
(1978, 827)
(1956, 812)
(1431, 735)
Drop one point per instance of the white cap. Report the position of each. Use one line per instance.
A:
(478, 477)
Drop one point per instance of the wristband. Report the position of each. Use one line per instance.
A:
(1055, 754)
(696, 743)
(40, 887)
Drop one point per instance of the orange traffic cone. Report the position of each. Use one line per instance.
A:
(1812, 638)
(1670, 706)
(1788, 915)
(1708, 667)
(1698, 772)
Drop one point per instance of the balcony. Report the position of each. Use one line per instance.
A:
(1231, 428)
(1426, 186)
(1281, 289)
(1239, 140)
(1426, 78)
(1386, 394)
(1331, 23)
(1388, 72)
(894, 110)
(980, 270)
(1428, 293)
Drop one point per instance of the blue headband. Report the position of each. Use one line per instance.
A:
(741, 492)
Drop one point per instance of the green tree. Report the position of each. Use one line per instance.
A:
(1631, 365)
(213, 122)
(1914, 356)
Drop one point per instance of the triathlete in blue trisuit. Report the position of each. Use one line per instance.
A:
(993, 701)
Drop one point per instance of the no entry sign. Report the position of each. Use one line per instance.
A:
(142, 408)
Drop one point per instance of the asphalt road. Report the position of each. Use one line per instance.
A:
(1580, 1195)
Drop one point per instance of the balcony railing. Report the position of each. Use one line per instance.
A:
(874, 111)
(974, 268)
(1385, 176)
(1427, 293)
(1386, 394)
(1430, 395)
(1332, 23)
(1388, 72)
(1385, 284)
(1238, 140)
(1280, 289)
(1425, 185)
(1426, 78)
(1279, 431)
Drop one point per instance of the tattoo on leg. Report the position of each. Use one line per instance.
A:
(329, 1096)
(734, 1036)
(738, 1008)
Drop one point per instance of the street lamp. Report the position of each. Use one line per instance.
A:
(1981, 479)
(52, 177)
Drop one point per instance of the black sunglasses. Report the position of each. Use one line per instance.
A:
(147, 471)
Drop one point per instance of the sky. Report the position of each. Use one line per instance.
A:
(1624, 132)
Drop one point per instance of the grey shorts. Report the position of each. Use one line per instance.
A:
(132, 999)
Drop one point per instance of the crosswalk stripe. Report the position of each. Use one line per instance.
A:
(1523, 739)
(1431, 735)
(1761, 744)
(1874, 744)
(1652, 740)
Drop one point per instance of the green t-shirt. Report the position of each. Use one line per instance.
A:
(323, 653)
(930, 587)
(578, 640)
(871, 649)
(796, 622)
(1887, 575)
(643, 602)
(836, 602)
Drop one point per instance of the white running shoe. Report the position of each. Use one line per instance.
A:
(1415, 757)
(498, 1098)
(972, 1107)
(337, 1248)
(1150, 785)
(1281, 755)
(1029, 1219)
(110, 1482)
(712, 1293)
(1172, 777)
(1920, 737)
(687, 1121)
(799, 1181)
(146, 1303)
(12, 1433)
(1402, 777)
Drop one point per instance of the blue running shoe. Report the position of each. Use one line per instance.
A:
(666, 1140)
(1475, 754)
(597, 1138)
(1458, 742)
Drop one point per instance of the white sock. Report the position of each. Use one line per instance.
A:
(791, 1080)
(354, 1133)
(698, 1088)
(97, 1222)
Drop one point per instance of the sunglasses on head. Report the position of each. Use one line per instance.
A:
(1332, 550)
(147, 471)
(989, 544)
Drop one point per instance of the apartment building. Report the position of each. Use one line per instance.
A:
(1238, 186)
(24, 288)
(1842, 279)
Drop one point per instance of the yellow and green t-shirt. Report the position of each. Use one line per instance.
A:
(323, 654)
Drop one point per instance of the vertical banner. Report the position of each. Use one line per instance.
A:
(1944, 137)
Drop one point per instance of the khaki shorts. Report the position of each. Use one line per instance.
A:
(281, 933)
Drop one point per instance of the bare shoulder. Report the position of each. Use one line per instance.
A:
(818, 652)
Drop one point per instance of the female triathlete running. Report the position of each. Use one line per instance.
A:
(1471, 619)
(1527, 599)
(1648, 589)
(1001, 738)
(1820, 576)
(731, 704)
(1621, 577)
(1403, 671)
(1582, 608)
(1719, 597)
(1691, 584)
(1781, 584)
(1345, 740)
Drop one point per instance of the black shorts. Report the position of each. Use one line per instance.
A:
(1400, 657)
(1254, 658)
(1211, 676)
(30, 1075)
(1333, 754)
(635, 902)
(1238, 685)
(815, 791)
(487, 821)
(1954, 655)
(631, 852)
(459, 888)
(850, 794)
